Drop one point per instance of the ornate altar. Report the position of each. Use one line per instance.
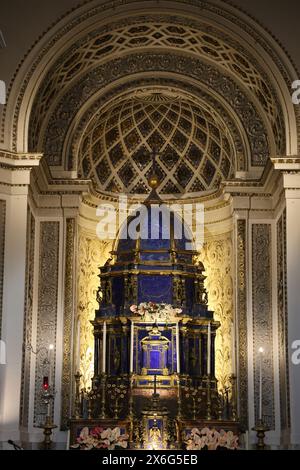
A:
(153, 330)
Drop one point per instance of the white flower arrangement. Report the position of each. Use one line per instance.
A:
(99, 438)
(210, 439)
(155, 312)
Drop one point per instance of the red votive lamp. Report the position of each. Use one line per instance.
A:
(45, 383)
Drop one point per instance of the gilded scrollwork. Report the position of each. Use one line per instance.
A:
(262, 318)
(93, 253)
(216, 256)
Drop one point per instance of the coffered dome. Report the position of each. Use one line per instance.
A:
(195, 151)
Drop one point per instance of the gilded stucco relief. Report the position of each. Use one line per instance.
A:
(216, 256)
(92, 254)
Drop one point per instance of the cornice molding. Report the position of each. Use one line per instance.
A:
(19, 160)
(289, 163)
(48, 185)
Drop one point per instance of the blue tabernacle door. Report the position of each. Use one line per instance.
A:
(155, 289)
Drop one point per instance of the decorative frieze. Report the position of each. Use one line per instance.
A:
(47, 309)
(263, 319)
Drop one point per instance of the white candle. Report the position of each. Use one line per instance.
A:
(247, 440)
(177, 348)
(233, 349)
(68, 440)
(104, 348)
(50, 359)
(208, 349)
(131, 346)
(261, 352)
(78, 347)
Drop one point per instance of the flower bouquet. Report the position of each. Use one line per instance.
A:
(155, 312)
(99, 438)
(210, 439)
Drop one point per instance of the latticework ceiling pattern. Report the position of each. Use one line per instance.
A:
(194, 150)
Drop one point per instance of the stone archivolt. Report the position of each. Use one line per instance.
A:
(260, 138)
(176, 34)
(116, 52)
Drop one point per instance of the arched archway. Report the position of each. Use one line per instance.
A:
(208, 89)
(94, 37)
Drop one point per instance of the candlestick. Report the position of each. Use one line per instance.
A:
(131, 346)
(104, 348)
(261, 352)
(48, 427)
(209, 349)
(77, 407)
(177, 348)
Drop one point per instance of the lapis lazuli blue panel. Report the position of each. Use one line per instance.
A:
(126, 244)
(155, 256)
(189, 286)
(118, 291)
(155, 359)
(155, 288)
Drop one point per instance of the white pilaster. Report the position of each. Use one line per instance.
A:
(293, 302)
(14, 180)
(291, 182)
